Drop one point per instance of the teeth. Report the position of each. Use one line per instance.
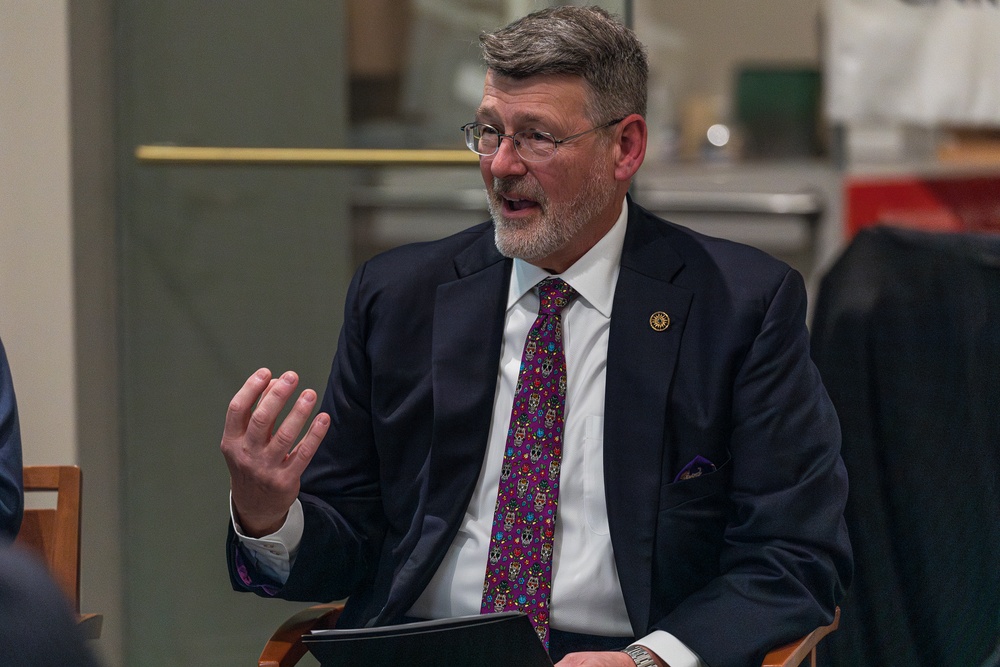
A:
(517, 203)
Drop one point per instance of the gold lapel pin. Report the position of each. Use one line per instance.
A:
(659, 321)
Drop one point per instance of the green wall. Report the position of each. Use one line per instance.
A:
(223, 270)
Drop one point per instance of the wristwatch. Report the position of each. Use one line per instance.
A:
(640, 656)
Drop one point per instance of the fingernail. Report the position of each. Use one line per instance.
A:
(262, 374)
(288, 378)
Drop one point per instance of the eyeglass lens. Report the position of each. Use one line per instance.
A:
(530, 145)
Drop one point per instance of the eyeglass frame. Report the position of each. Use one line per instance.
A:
(501, 136)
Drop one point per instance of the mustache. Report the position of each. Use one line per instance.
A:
(518, 185)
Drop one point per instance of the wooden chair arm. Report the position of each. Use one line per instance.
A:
(285, 646)
(793, 654)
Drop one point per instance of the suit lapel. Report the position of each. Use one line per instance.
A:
(468, 333)
(641, 362)
(467, 337)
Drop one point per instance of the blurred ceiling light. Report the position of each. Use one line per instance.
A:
(718, 135)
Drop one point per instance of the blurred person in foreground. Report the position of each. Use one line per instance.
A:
(37, 627)
(649, 468)
(11, 481)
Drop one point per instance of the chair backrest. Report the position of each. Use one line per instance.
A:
(55, 533)
(905, 335)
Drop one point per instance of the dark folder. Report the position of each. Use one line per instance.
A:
(491, 640)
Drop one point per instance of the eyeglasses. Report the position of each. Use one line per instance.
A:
(531, 145)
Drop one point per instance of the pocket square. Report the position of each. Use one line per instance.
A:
(698, 466)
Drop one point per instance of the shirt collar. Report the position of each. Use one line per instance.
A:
(593, 276)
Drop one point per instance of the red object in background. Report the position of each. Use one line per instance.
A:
(944, 203)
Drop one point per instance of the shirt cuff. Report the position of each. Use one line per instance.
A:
(274, 554)
(670, 649)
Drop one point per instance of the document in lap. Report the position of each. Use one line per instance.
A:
(491, 640)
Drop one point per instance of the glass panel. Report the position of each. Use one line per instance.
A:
(751, 66)
(224, 270)
(737, 143)
(415, 70)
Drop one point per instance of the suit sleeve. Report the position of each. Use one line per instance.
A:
(340, 495)
(11, 485)
(785, 560)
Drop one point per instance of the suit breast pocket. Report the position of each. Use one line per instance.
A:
(690, 532)
(704, 488)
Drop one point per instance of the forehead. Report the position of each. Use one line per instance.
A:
(554, 98)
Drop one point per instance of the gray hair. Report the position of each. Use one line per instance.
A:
(582, 41)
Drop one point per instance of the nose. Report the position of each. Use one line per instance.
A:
(506, 162)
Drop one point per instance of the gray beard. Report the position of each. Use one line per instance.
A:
(533, 240)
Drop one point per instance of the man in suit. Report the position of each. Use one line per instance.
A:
(11, 484)
(701, 489)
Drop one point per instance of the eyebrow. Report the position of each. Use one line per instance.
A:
(519, 119)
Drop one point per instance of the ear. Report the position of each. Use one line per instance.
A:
(630, 149)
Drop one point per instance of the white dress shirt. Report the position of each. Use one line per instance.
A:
(586, 592)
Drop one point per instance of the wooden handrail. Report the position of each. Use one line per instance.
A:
(208, 155)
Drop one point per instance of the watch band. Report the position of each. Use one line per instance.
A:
(640, 656)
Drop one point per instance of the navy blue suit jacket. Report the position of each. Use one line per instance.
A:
(11, 484)
(733, 563)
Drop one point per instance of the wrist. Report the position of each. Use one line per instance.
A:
(642, 657)
(257, 526)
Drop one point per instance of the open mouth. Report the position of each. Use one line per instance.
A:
(516, 204)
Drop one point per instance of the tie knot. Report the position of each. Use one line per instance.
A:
(554, 294)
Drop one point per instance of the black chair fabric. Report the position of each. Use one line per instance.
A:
(906, 334)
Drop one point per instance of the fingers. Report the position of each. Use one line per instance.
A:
(264, 470)
(272, 401)
(253, 414)
(242, 405)
(267, 390)
(290, 428)
(270, 385)
(300, 457)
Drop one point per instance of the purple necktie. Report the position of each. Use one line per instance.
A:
(519, 570)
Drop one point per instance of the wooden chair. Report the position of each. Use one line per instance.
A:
(793, 654)
(54, 534)
(285, 646)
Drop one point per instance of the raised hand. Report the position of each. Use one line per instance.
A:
(264, 464)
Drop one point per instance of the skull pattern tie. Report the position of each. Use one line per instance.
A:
(519, 569)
